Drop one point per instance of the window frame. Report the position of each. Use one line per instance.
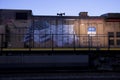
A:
(118, 34)
(110, 34)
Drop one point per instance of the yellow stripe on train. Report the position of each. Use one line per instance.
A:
(58, 49)
(15, 49)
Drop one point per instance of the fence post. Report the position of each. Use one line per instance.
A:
(30, 43)
(1, 42)
(74, 42)
(52, 43)
(108, 42)
(89, 42)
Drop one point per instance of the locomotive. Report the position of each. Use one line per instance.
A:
(81, 31)
(94, 36)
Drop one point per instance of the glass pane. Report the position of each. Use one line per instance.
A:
(118, 34)
(111, 34)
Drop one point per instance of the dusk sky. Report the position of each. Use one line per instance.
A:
(70, 7)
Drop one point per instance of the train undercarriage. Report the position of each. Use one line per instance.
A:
(69, 60)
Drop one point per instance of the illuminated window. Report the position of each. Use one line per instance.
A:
(21, 16)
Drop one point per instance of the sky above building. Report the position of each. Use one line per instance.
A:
(69, 7)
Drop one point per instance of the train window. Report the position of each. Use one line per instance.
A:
(111, 34)
(111, 42)
(117, 34)
(21, 16)
(118, 42)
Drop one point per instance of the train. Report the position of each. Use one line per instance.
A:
(21, 32)
(19, 29)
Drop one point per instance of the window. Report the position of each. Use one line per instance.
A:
(21, 16)
(118, 42)
(117, 34)
(111, 34)
(111, 42)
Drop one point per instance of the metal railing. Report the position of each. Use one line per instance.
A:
(54, 41)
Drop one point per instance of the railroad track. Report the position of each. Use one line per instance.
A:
(61, 76)
(57, 74)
